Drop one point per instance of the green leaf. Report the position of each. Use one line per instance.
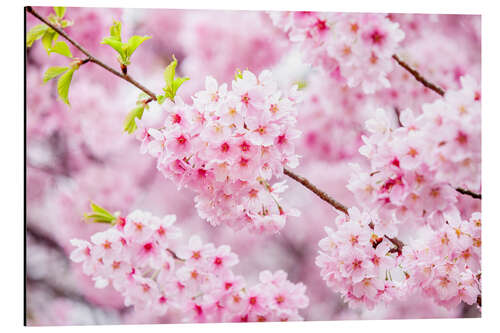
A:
(134, 42)
(172, 83)
(99, 214)
(238, 74)
(61, 48)
(66, 23)
(36, 33)
(169, 72)
(114, 43)
(117, 45)
(129, 124)
(177, 83)
(52, 72)
(63, 85)
(60, 11)
(160, 99)
(48, 39)
(116, 30)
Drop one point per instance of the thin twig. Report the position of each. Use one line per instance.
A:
(91, 58)
(419, 77)
(175, 255)
(469, 193)
(323, 195)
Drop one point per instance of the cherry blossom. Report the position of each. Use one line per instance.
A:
(160, 275)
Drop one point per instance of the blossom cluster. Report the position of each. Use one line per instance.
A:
(357, 263)
(368, 268)
(447, 265)
(140, 257)
(227, 146)
(415, 168)
(355, 48)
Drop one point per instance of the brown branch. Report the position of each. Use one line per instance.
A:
(91, 58)
(323, 195)
(469, 193)
(419, 77)
(175, 255)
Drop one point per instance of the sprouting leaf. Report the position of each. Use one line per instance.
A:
(134, 42)
(63, 85)
(116, 30)
(178, 82)
(36, 33)
(238, 74)
(99, 214)
(115, 44)
(61, 48)
(160, 99)
(172, 83)
(53, 72)
(66, 23)
(124, 49)
(60, 11)
(129, 124)
(48, 39)
(169, 72)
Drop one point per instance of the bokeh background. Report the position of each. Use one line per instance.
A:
(81, 153)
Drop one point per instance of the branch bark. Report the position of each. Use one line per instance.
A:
(323, 195)
(418, 76)
(469, 193)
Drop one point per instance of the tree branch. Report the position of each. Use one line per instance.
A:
(91, 58)
(419, 77)
(323, 195)
(469, 193)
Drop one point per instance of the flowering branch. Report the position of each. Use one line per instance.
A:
(91, 58)
(419, 77)
(302, 180)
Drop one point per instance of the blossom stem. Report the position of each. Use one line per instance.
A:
(91, 58)
(418, 76)
(323, 195)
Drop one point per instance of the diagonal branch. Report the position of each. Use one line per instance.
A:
(418, 76)
(91, 58)
(323, 195)
(469, 193)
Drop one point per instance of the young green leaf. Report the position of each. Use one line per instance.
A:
(124, 49)
(36, 33)
(238, 74)
(177, 83)
(48, 39)
(172, 85)
(53, 72)
(134, 42)
(63, 85)
(60, 11)
(61, 48)
(116, 44)
(99, 214)
(116, 30)
(169, 72)
(160, 99)
(129, 124)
